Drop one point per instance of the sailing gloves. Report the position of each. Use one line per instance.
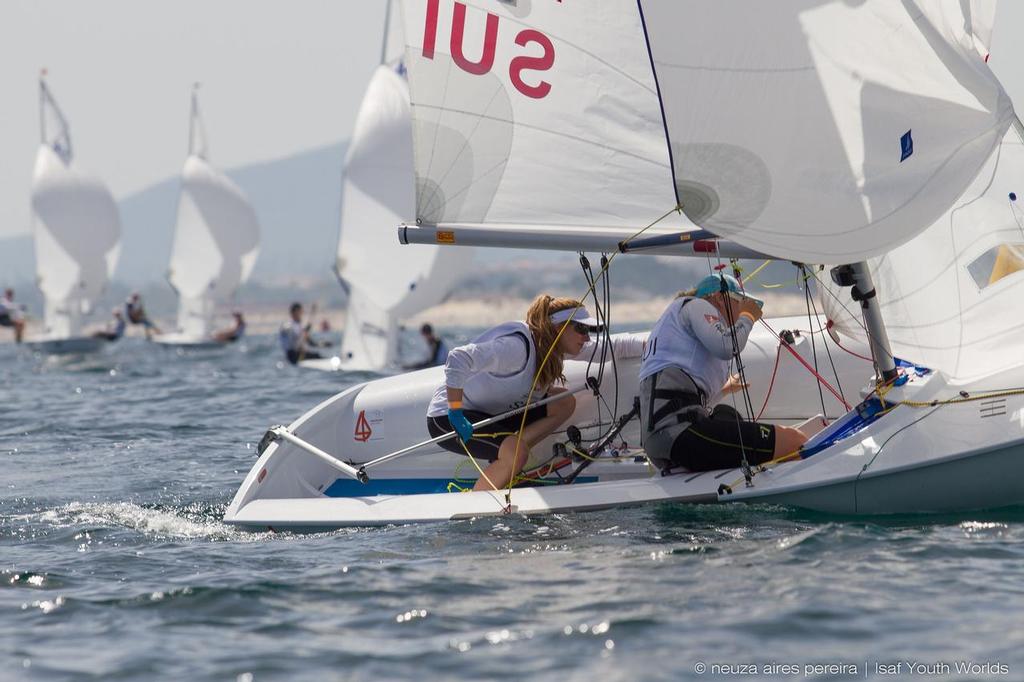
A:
(460, 423)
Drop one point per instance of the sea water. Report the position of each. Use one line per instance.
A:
(115, 471)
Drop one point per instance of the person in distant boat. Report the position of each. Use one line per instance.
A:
(495, 373)
(233, 333)
(295, 337)
(136, 314)
(12, 315)
(114, 329)
(437, 349)
(684, 371)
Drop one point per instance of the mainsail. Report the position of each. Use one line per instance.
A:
(537, 119)
(216, 239)
(386, 282)
(77, 227)
(951, 297)
(823, 130)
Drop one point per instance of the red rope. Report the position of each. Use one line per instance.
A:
(810, 369)
(778, 354)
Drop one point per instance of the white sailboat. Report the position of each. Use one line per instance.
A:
(216, 242)
(385, 283)
(77, 230)
(788, 131)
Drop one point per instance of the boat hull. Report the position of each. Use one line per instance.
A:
(67, 346)
(291, 488)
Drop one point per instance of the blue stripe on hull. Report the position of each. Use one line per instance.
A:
(346, 487)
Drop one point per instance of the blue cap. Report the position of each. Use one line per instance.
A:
(712, 284)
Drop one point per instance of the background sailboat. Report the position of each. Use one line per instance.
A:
(77, 231)
(216, 241)
(385, 282)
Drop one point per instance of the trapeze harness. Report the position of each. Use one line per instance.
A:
(672, 402)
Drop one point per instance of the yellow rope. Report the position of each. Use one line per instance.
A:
(565, 325)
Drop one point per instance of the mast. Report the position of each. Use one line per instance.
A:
(195, 126)
(384, 38)
(858, 275)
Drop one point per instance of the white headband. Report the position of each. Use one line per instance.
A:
(581, 315)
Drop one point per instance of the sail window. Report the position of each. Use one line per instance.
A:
(996, 263)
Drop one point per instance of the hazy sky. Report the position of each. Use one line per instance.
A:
(279, 77)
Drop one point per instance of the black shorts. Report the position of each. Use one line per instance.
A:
(295, 357)
(5, 320)
(719, 441)
(485, 442)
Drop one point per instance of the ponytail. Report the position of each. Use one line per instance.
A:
(544, 332)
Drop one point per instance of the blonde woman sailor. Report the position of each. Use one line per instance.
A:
(684, 372)
(494, 374)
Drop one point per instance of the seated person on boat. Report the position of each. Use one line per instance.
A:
(295, 337)
(135, 311)
(437, 349)
(114, 329)
(233, 333)
(12, 315)
(684, 371)
(495, 373)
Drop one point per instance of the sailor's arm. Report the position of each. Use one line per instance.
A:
(713, 331)
(503, 355)
(624, 345)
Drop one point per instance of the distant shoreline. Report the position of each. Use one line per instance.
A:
(484, 311)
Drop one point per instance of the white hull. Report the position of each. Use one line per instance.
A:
(67, 346)
(188, 341)
(289, 487)
(943, 458)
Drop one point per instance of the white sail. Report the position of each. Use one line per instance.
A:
(216, 239)
(77, 230)
(535, 114)
(386, 282)
(822, 130)
(951, 297)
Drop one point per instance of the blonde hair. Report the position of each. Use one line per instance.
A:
(687, 292)
(544, 332)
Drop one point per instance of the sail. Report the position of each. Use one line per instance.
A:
(950, 298)
(77, 230)
(982, 20)
(538, 114)
(386, 282)
(216, 239)
(822, 130)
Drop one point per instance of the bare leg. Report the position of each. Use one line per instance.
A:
(19, 330)
(513, 453)
(788, 440)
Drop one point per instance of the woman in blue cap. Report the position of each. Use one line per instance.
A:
(495, 373)
(684, 371)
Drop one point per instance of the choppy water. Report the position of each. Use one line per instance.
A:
(114, 563)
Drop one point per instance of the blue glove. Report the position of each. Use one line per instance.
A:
(460, 424)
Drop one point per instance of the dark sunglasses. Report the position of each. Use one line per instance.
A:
(581, 328)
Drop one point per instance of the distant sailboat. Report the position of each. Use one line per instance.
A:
(216, 242)
(77, 232)
(385, 282)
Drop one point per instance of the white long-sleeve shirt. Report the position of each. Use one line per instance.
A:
(497, 371)
(692, 335)
(508, 355)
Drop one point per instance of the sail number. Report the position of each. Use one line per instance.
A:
(517, 65)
